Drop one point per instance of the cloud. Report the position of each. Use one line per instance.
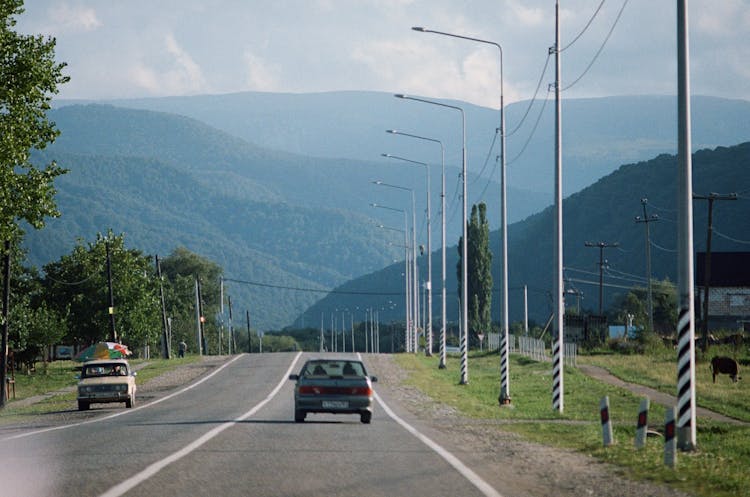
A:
(69, 18)
(260, 76)
(180, 74)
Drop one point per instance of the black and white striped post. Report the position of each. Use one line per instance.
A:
(504, 398)
(670, 440)
(558, 391)
(686, 430)
(606, 422)
(641, 429)
(464, 355)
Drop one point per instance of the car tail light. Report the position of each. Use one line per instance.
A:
(315, 390)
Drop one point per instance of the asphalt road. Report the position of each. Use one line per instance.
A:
(231, 434)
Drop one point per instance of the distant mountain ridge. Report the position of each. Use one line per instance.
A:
(274, 217)
(599, 134)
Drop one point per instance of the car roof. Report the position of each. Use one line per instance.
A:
(106, 361)
(333, 359)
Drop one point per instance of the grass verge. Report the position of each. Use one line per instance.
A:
(718, 468)
(56, 381)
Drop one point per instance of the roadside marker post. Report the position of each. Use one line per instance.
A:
(642, 426)
(606, 423)
(670, 441)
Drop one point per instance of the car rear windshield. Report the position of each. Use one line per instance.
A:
(340, 368)
(94, 370)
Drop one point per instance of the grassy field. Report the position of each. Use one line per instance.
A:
(718, 468)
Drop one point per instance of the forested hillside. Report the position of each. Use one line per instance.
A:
(605, 211)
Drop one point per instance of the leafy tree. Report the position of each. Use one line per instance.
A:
(665, 308)
(29, 76)
(78, 283)
(479, 265)
(180, 271)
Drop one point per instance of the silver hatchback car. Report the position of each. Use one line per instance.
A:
(337, 386)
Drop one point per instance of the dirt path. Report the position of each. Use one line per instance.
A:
(662, 398)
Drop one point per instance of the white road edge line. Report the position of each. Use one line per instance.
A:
(154, 468)
(467, 473)
(122, 413)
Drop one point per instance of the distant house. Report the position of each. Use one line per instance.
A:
(729, 289)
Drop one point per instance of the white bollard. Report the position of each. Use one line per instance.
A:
(642, 426)
(670, 441)
(606, 423)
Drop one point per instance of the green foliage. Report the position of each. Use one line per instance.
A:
(635, 302)
(180, 270)
(77, 287)
(479, 271)
(30, 76)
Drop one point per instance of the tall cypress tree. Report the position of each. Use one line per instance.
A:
(479, 265)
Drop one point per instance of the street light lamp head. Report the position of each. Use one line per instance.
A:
(392, 131)
(378, 182)
(399, 95)
(419, 28)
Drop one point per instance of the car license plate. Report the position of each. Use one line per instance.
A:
(335, 404)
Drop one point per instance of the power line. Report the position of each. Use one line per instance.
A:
(664, 249)
(727, 237)
(533, 131)
(598, 52)
(486, 161)
(533, 99)
(584, 28)
(314, 290)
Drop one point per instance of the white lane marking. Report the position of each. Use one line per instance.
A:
(473, 478)
(128, 411)
(154, 468)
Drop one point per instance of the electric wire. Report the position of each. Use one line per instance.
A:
(584, 28)
(601, 48)
(727, 237)
(313, 290)
(486, 161)
(659, 247)
(74, 283)
(533, 99)
(533, 131)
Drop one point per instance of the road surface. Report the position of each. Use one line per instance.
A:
(232, 433)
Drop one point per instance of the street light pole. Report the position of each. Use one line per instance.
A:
(504, 397)
(428, 311)
(443, 326)
(414, 272)
(407, 272)
(464, 251)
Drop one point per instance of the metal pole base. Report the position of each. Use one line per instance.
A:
(504, 398)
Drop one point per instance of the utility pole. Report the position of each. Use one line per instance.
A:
(645, 220)
(707, 272)
(602, 262)
(112, 332)
(249, 341)
(5, 328)
(165, 352)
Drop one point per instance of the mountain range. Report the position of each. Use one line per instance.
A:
(277, 188)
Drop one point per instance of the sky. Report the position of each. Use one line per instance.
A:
(143, 48)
